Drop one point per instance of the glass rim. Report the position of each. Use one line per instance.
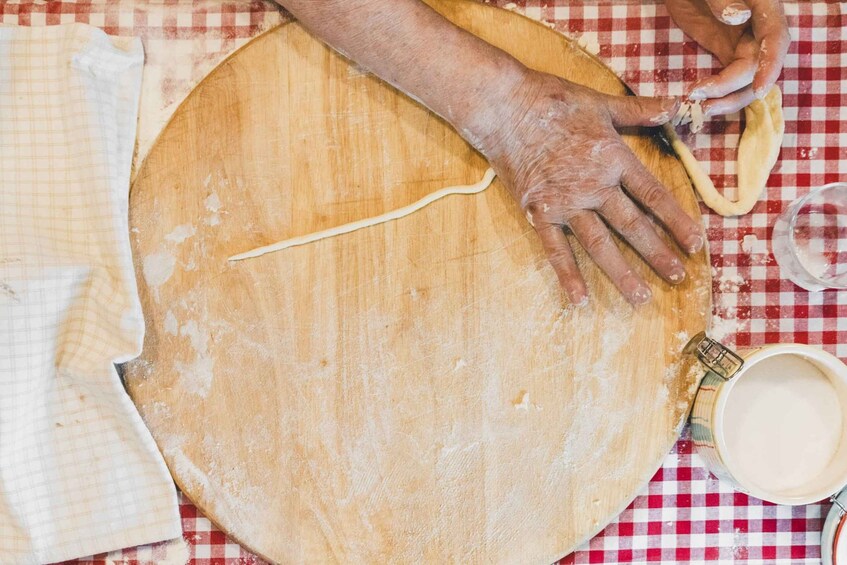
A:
(795, 208)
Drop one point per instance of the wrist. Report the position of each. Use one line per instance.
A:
(495, 105)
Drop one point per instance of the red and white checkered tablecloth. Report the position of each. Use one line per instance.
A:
(683, 515)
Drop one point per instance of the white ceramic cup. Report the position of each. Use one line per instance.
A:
(709, 432)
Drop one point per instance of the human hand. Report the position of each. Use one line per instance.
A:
(558, 153)
(749, 37)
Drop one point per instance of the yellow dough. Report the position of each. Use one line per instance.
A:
(486, 180)
(757, 154)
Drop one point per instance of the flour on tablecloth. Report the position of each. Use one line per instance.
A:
(753, 245)
(588, 41)
(731, 283)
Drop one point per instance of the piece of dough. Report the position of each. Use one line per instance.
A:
(367, 222)
(757, 154)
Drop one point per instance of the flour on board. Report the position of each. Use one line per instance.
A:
(197, 374)
(213, 205)
(157, 269)
(171, 324)
(181, 233)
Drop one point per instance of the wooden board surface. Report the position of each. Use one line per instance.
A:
(410, 392)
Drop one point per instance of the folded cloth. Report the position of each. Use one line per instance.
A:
(79, 472)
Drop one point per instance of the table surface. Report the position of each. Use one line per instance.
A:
(684, 514)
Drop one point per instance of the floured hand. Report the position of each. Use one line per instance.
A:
(559, 154)
(749, 37)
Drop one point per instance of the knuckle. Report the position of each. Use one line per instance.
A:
(560, 259)
(631, 224)
(618, 152)
(596, 240)
(653, 195)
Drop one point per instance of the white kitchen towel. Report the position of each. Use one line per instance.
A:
(79, 472)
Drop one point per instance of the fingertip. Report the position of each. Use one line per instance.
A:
(668, 109)
(676, 272)
(677, 277)
(578, 298)
(694, 244)
(736, 14)
(641, 295)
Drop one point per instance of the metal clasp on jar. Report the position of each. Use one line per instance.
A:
(718, 358)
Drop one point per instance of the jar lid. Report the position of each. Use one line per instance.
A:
(833, 537)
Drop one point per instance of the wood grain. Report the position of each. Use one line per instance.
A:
(410, 392)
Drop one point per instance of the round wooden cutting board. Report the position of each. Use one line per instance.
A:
(413, 392)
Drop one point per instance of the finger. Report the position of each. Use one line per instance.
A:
(734, 76)
(730, 103)
(597, 241)
(771, 30)
(641, 110)
(644, 187)
(631, 223)
(560, 255)
(730, 12)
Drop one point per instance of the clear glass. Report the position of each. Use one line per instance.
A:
(810, 239)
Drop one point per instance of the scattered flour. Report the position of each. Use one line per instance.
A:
(725, 324)
(157, 269)
(181, 233)
(731, 283)
(522, 402)
(171, 324)
(588, 41)
(213, 205)
(460, 362)
(176, 553)
(197, 375)
(753, 245)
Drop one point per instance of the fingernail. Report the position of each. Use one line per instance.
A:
(694, 244)
(697, 94)
(736, 14)
(641, 295)
(677, 275)
(579, 302)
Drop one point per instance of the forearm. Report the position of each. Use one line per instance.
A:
(406, 43)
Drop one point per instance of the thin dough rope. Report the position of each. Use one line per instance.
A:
(758, 151)
(484, 183)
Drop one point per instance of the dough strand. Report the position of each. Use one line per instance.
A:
(484, 183)
(758, 151)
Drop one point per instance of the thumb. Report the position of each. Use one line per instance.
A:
(730, 12)
(641, 110)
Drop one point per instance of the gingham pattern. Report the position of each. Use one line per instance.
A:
(183, 41)
(69, 308)
(685, 515)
